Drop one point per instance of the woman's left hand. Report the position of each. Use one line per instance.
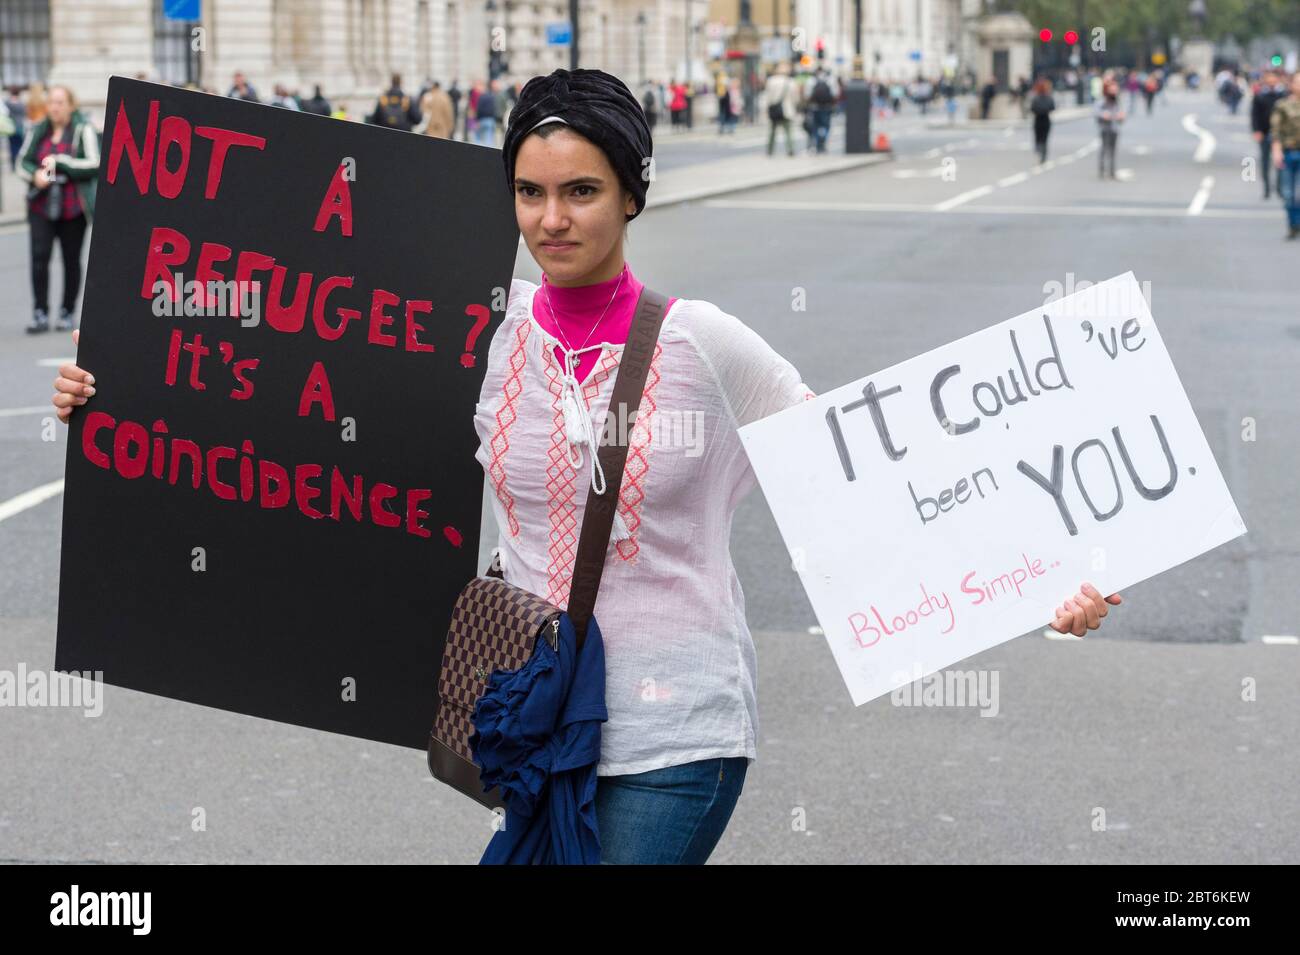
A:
(1084, 610)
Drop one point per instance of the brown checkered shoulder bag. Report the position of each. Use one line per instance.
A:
(495, 624)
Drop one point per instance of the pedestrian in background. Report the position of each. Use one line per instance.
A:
(1285, 130)
(394, 108)
(1149, 88)
(779, 95)
(1269, 91)
(650, 103)
(60, 159)
(987, 92)
(1109, 116)
(280, 96)
(1132, 84)
(18, 116)
(317, 104)
(727, 104)
(240, 88)
(677, 103)
(1042, 106)
(821, 103)
(437, 117)
(485, 115)
(454, 93)
(35, 103)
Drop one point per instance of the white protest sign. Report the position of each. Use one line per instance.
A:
(953, 501)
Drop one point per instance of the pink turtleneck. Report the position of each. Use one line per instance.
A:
(578, 308)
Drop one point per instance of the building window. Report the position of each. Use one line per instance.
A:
(24, 41)
(173, 58)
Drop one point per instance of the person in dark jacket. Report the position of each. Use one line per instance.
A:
(1041, 106)
(487, 111)
(395, 109)
(987, 92)
(317, 104)
(60, 159)
(1270, 90)
(455, 93)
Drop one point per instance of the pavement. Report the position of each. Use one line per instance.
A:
(1167, 737)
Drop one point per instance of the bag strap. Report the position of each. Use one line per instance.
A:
(598, 518)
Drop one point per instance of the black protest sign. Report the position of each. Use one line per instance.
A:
(272, 500)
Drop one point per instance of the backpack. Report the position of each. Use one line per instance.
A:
(394, 109)
(822, 95)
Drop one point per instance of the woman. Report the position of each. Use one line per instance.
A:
(1109, 116)
(1041, 106)
(435, 113)
(680, 667)
(60, 159)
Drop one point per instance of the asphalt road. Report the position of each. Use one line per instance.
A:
(1144, 721)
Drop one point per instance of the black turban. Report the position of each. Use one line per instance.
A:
(595, 104)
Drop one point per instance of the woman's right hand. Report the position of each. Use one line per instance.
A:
(73, 386)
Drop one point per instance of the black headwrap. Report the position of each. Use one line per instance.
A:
(595, 104)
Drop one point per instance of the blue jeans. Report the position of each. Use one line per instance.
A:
(485, 131)
(1288, 186)
(670, 816)
(821, 128)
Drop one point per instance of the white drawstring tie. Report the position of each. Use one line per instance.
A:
(580, 432)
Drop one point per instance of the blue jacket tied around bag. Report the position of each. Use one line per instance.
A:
(537, 736)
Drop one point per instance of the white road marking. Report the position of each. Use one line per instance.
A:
(1202, 197)
(55, 362)
(16, 505)
(1053, 635)
(1124, 175)
(1012, 180)
(31, 409)
(1141, 150)
(1205, 139)
(919, 173)
(1082, 210)
(965, 197)
(1282, 639)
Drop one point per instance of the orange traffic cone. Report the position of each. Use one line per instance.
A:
(882, 143)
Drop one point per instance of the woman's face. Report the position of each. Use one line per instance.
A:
(570, 207)
(57, 106)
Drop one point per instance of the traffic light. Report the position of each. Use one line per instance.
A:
(1276, 59)
(821, 49)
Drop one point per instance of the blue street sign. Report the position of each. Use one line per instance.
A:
(558, 34)
(914, 55)
(181, 9)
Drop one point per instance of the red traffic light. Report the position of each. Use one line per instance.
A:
(1045, 35)
(1071, 37)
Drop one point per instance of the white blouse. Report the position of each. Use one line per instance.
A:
(680, 668)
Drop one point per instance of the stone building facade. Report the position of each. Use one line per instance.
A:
(349, 47)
